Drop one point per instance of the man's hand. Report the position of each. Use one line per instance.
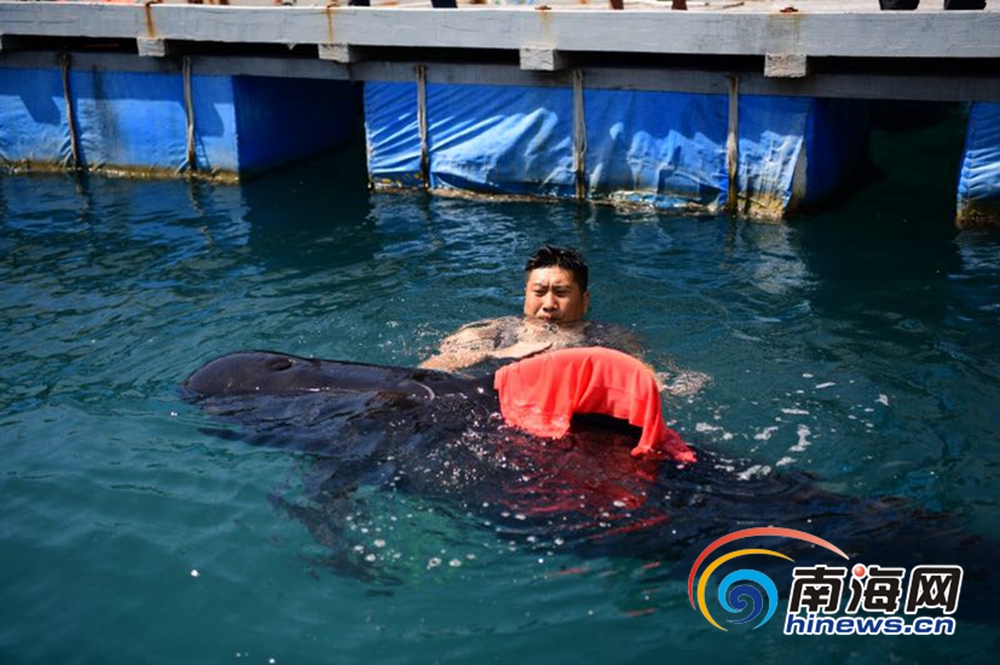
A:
(683, 383)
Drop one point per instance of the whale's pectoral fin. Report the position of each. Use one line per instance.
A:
(331, 522)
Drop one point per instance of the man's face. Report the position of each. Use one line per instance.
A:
(552, 294)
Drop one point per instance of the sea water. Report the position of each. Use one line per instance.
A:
(857, 344)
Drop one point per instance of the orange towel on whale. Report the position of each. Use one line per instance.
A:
(541, 394)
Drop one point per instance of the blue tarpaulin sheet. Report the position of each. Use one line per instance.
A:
(130, 119)
(392, 134)
(979, 179)
(480, 138)
(215, 129)
(771, 135)
(33, 126)
(134, 120)
(501, 139)
(665, 149)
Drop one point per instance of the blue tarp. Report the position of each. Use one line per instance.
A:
(127, 119)
(392, 134)
(33, 125)
(666, 149)
(480, 138)
(215, 130)
(772, 134)
(979, 179)
(517, 140)
(138, 120)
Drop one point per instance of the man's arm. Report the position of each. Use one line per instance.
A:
(476, 342)
(471, 344)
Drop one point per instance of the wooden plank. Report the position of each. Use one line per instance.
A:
(924, 34)
(340, 53)
(785, 65)
(938, 87)
(541, 59)
(152, 48)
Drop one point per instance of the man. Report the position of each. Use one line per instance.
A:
(556, 300)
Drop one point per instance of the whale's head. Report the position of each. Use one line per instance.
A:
(249, 372)
(269, 373)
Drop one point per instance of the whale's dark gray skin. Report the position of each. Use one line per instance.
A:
(440, 436)
(347, 411)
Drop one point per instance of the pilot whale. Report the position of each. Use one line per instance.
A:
(440, 436)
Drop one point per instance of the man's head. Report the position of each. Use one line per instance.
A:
(555, 286)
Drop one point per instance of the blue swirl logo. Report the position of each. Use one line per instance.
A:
(736, 597)
(746, 591)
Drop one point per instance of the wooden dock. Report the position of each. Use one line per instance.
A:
(754, 107)
(815, 48)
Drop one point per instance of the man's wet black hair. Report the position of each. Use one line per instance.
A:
(562, 257)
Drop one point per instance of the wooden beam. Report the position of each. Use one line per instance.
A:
(340, 53)
(541, 59)
(785, 65)
(867, 34)
(937, 87)
(152, 48)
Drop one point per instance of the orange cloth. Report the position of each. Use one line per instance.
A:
(541, 394)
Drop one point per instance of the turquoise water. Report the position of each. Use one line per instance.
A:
(857, 344)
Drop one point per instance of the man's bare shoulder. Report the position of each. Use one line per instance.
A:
(490, 324)
(473, 343)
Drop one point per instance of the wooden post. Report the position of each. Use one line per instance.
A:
(733, 146)
(64, 61)
(579, 137)
(425, 162)
(192, 158)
